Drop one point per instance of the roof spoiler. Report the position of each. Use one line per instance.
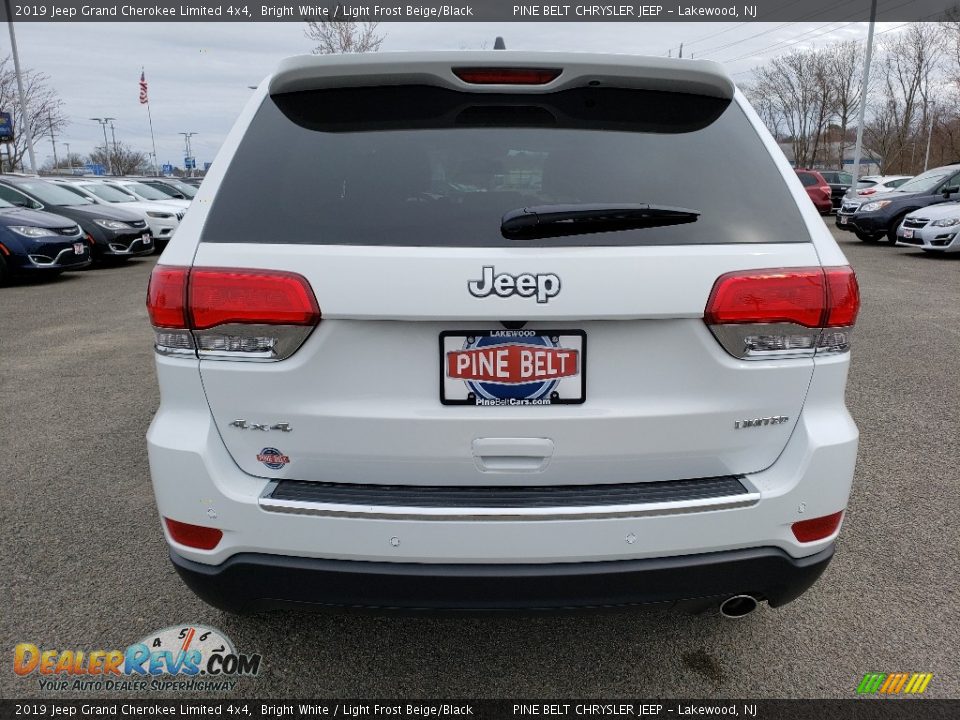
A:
(313, 72)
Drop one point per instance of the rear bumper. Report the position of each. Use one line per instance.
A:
(250, 581)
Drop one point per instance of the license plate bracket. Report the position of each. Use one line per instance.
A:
(513, 368)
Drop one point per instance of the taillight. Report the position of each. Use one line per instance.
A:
(167, 306)
(507, 76)
(825, 189)
(230, 313)
(195, 536)
(817, 528)
(865, 192)
(788, 312)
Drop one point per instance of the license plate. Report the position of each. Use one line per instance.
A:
(146, 239)
(908, 232)
(499, 368)
(843, 220)
(79, 248)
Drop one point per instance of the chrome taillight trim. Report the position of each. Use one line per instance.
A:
(735, 338)
(287, 339)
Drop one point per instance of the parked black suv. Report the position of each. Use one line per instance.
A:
(113, 233)
(839, 183)
(881, 214)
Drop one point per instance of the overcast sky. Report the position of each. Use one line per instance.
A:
(199, 73)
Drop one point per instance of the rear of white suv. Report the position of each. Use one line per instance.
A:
(512, 336)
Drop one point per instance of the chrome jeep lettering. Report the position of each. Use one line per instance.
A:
(543, 286)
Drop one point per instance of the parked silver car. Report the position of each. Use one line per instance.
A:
(932, 229)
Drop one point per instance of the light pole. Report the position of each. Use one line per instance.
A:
(113, 134)
(24, 113)
(863, 95)
(187, 150)
(106, 144)
(926, 158)
(69, 159)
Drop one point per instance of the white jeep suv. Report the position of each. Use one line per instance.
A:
(513, 334)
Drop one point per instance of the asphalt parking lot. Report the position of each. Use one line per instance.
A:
(86, 565)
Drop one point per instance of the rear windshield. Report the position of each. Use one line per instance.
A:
(807, 179)
(427, 166)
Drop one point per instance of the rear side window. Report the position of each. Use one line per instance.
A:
(428, 166)
(837, 177)
(808, 179)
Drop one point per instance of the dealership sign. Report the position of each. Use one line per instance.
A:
(6, 127)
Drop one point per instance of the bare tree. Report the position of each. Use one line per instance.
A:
(845, 64)
(767, 109)
(951, 34)
(911, 59)
(43, 102)
(122, 159)
(880, 133)
(64, 162)
(342, 36)
(798, 89)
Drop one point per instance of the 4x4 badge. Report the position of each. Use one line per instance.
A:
(543, 285)
(244, 425)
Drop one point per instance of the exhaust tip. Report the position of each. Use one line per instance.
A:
(738, 606)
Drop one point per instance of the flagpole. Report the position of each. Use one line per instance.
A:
(156, 167)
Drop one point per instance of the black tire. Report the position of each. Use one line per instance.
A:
(4, 273)
(892, 230)
(869, 237)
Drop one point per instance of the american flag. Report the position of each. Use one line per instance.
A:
(143, 88)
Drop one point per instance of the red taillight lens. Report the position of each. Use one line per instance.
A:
(768, 296)
(843, 297)
(812, 297)
(218, 296)
(166, 297)
(230, 313)
(195, 536)
(507, 76)
(865, 192)
(817, 528)
(787, 312)
(825, 189)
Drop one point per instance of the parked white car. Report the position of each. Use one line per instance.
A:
(162, 218)
(144, 192)
(934, 229)
(507, 338)
(870, 185)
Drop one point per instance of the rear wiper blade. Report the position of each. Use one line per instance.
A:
(543, 221)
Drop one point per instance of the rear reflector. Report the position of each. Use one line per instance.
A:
(785, 312)
(230, 313)
(195, 536)
(507, 76)
(817, 528)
